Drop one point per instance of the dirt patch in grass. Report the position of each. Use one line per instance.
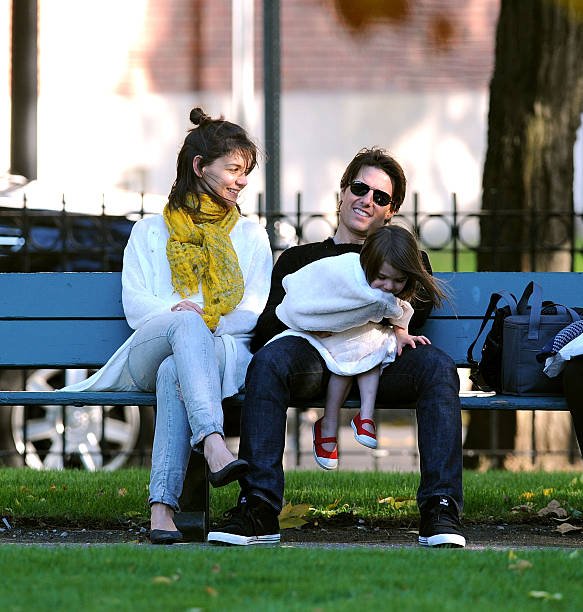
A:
(503, 535)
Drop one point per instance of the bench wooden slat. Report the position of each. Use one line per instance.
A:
(62, 295)
(84, 398)
(472, 290)
(482, 402)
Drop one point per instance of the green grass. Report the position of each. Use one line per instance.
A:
(108, 499)
(197, 577)
(124, 577)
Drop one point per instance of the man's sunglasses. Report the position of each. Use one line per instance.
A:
(381, 198)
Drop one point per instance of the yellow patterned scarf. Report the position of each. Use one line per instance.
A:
(200, 250)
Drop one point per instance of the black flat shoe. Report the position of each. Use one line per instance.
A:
(161, 536)
(233, 471)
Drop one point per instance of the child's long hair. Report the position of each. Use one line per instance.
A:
(397, 246)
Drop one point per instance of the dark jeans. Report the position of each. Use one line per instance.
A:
(291, 368)
(573, 388)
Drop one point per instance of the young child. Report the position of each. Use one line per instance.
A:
(355, 311)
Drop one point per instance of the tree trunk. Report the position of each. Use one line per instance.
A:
(536, 100)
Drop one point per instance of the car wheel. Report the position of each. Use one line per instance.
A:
(88, 437)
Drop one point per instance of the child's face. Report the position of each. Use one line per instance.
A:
(389, 279)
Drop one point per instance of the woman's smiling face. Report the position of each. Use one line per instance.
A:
(226, 176)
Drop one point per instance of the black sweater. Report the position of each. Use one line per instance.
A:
(291, 260)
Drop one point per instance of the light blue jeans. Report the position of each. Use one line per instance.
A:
(176, 355)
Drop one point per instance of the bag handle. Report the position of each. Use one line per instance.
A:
(533, 293)
(494, 299)
(575, 316)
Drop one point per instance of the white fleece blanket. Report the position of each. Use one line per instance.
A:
(333, 295)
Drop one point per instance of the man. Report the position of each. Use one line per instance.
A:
(372, 190)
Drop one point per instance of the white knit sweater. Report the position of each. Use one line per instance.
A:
(147, 292)
(333, 295)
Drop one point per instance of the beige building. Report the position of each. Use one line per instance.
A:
(117, 79)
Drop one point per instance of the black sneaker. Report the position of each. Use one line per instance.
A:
(253, 522)
(440, 524)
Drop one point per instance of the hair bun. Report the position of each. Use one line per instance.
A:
(198, 116)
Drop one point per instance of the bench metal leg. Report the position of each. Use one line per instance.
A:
(193, 519)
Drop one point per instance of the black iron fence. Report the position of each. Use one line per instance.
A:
(34, 240)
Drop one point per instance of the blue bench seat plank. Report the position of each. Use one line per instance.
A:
(84, 398)
(482, 402)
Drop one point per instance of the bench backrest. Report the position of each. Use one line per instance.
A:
(75, 319)
(66, 319)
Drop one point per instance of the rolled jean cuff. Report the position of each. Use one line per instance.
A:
(164, 499)
(196, 443)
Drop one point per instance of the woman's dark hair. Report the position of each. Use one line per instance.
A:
(398, 247)
(211, 139)
(378, 158)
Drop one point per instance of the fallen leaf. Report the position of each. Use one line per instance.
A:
(398, 502)
(545, 595)
(334, 505)
(553, 507)
(210, 591)
(122, 492)
(566, 528)
(523, 508)
(293, 516)
(520, 565)
(387, 500)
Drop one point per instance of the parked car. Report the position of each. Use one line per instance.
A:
(53, 437)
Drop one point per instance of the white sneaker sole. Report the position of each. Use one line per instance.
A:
(239, 540)
(443, 539)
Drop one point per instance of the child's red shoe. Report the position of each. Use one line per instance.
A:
(325, 459)
(364, 437)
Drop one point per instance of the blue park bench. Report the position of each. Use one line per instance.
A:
(76, 320)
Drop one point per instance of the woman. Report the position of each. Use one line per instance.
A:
(194, 281)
